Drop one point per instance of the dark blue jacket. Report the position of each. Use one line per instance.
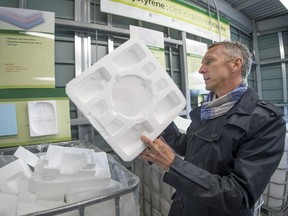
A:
(228, 161)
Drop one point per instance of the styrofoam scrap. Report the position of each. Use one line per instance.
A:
(27, 156)
(25, 195)
(75, 162)
(56, 156)
(8, 204)
(61, 184)
(182, 123)
(102, 166)
(99, 189)
(12, 174)
(24, 208)
(54, 195)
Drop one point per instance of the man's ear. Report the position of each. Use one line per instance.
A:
(238, 62)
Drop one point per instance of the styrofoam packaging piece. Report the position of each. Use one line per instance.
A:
(30, 158)
(127, 94)
(24, 208)
(55, 157)
(42, 118)
(42, 184)
(100, 189)
(8, 204)
(12, 174)
(182, 123)
(102, 165)
(26, 196)
(24, 193)
(75, 162)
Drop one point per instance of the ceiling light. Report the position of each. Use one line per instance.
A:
(285, 3)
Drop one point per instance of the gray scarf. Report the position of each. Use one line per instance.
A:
(214, 107)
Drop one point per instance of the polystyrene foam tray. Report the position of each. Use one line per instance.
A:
(127, 94)
(42, 118)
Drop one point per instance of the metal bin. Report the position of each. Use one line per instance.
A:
(129, 189)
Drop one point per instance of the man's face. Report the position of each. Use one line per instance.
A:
(217, 70)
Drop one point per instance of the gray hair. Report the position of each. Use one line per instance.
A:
(236, 49)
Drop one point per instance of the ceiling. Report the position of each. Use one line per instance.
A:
(259, 10)
(261, 16)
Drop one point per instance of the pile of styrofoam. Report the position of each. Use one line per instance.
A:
(62, 175)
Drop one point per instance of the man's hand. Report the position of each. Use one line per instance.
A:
(158, 152)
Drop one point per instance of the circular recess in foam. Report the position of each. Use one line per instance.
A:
(131, 94)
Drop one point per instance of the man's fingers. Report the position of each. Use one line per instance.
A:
(145, 139)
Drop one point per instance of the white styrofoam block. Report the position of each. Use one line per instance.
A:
(127, 94)
(8, 204)
(182, 123)
(99, 189)
(56, 157)
(75, 162)
(12, 174)
(42, 118)
(24, 193)
(24, 208)
(42, 184)
(30, 158)
(55, 195)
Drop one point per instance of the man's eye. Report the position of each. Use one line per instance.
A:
(208, 61)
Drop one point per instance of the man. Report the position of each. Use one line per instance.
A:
(232, 147)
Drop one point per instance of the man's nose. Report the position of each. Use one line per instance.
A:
(202, 69)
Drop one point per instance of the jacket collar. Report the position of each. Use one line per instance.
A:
(244, 106)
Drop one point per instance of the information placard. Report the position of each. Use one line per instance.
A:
(27, 48)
